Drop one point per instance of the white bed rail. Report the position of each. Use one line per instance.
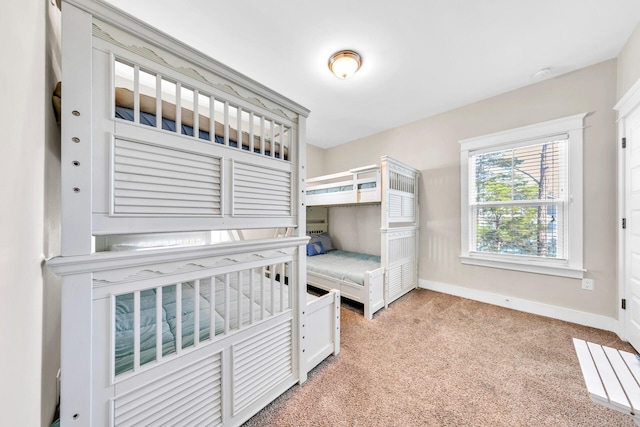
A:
(359, 185)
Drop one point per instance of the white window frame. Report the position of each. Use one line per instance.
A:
(572, 266)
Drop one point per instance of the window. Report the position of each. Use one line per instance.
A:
(521, 193)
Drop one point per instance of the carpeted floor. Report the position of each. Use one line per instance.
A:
(432, 359)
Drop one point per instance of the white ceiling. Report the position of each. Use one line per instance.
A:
(420, 57)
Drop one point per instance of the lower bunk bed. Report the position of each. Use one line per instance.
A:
(362, 277)
(188, 336)
(358, 277)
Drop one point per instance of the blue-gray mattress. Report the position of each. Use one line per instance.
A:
(124, 331)
(343, 265)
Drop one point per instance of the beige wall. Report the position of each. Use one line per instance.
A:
(315, 161)
(356, 228)
(629, 64)
(432, 146)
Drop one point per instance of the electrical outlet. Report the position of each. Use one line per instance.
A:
(587, 284)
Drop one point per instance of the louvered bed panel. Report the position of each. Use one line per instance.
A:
(261, 191)
(400, 256)
(261, 363)
(401, 193)
(191, 395)
(149, 179)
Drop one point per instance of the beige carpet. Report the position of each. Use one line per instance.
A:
(432, 359)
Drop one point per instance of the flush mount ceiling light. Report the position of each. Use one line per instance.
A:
(345, 63)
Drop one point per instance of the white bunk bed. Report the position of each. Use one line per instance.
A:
(394, 186)
(161, 326)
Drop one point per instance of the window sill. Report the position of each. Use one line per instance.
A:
(528, 267)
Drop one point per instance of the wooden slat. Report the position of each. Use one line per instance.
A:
(275, 203)
(212, 308)
(632, 363)
(610, 382)
(159, 323)
(164, 210)
(625, 377)
(227, 303)
(166, 202)
(196, 312)
(196, 114)
(164, 160)
(258, 189)
(179, 108)
(240, 298)
(162, 173)
(156, 188)
(167, 182)
(136, 330)
(253, 170)
(147, 150)
(589, 370)
(158, 100)
(262, 288)
(178, 318)
(169, 197)
(252, 281)
(164, 167)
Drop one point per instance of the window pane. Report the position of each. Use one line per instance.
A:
(533, 172)
(520, 230)
(493, 176)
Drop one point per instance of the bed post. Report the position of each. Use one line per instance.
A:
(76, 299)
(384, 226)
(301, 231)
(76, 130)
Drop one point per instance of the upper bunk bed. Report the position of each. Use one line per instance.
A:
(391, 183)
(162, 147)
(371, 279)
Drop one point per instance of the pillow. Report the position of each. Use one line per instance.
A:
(324, 239)
(315, 249)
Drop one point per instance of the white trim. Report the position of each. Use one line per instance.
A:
(629, 101)
(625, 106)
(561, 313)
(573, 125)
(622, 242)
(535, 266)
(525, 133)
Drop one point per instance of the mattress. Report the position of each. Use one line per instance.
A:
(124, 330)
(343, 265)
(170, 125)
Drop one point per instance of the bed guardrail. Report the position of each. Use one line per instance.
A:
(360, 185)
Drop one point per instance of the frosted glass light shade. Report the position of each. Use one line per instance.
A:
(345, 63)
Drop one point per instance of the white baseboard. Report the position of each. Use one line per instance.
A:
(555, 312)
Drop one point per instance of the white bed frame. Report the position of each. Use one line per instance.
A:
(226, 378)
(396, 190)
